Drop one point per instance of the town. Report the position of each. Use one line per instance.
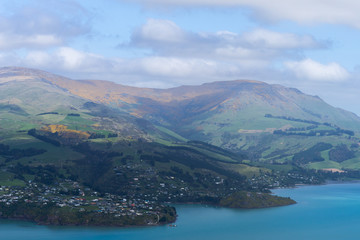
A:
(73, 197)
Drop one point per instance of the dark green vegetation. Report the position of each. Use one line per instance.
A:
(15, 153)
(222, 143)
(50, 214)
(254, 200)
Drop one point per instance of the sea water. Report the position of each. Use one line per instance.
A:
(323, 212)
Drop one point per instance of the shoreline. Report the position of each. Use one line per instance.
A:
(30, 221)
(52, 217)
(24, 220)
(216, 205)
(327, 182)
(56, 216)
(197, 222)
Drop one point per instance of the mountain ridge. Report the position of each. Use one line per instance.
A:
(244, 116)
(183, 90)
(110, 92)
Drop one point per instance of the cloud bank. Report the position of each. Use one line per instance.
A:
(40, 35)
(313, 70)
(177, 56)
(304, 12)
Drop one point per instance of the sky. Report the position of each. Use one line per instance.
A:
(312, 45)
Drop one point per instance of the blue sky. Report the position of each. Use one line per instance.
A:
(310, 45)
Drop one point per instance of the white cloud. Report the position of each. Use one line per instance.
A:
(183, 67)
(66, 59)
(237, 52)
(161, 30)
(165, 71)
(38, 58)
(178, 56)
(169, 71)
(174, 67)
(304, 11)
(313, 70)
(31, 27)
(270, 39)
(17, 41)
(71, 58)
(165, 38)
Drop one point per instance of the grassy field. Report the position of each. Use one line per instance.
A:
(53, 154)
(7, 179)
(245, 170)
(324, 164)
(171, 134)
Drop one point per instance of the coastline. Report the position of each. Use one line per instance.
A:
(83, 225)
(247, 200)
(54, 216)
(49, 224)
(208, 222)
(57, 216)
(327, 182)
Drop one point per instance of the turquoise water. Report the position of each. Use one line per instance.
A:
(323, 212)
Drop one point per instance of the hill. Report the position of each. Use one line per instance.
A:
(100, 149)
(267, 127)
(50, 134)
(268, 123)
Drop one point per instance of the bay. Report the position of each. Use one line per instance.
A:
(323, 212)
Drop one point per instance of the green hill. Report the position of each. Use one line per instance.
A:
(49, 134)
(223, 143)
(270, 124)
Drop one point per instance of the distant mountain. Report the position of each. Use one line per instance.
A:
(31, 99)
(268, 123)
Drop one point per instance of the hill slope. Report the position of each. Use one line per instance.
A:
(29, 100)
(269, 123)
(44, 124)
